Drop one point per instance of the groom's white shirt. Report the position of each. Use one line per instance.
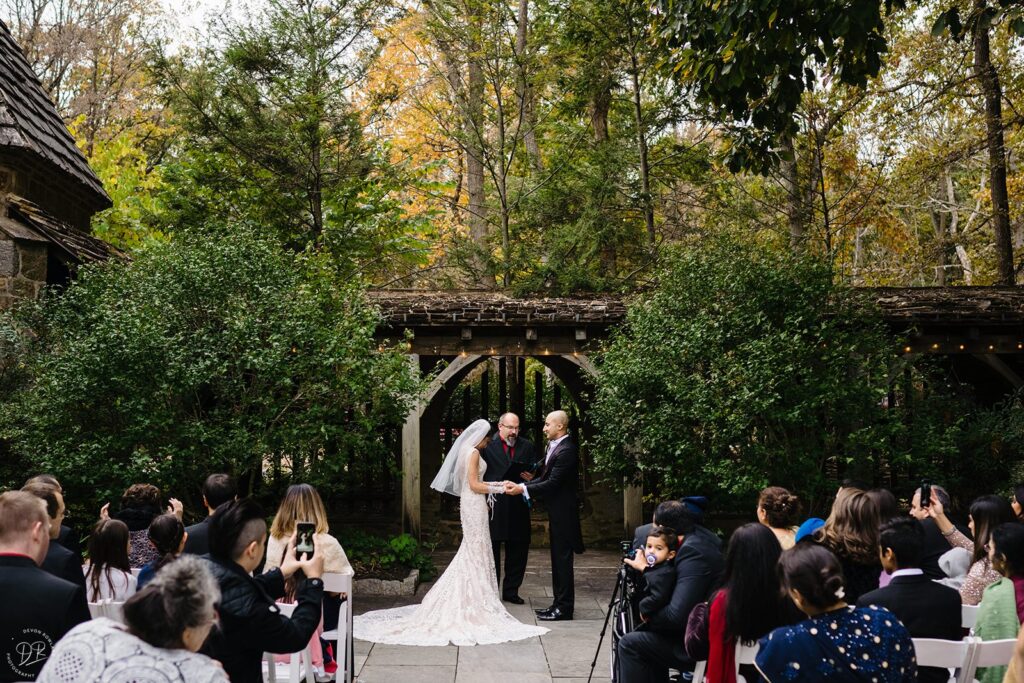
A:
(552, 445)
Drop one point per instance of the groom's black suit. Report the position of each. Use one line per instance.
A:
(510, 519)
(556, 487)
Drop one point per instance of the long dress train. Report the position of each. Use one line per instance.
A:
(462, 607)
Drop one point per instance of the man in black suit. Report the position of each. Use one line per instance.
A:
(217, 490)
(935, 545)
(67, 537)
(555, 484)
(37, 608)
(926, 608)
(59, 561)
(647, 653)
(510, 519)
(696, 505)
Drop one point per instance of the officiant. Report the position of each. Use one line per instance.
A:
(511, 458)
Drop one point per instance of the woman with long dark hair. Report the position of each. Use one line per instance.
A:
(167, 534)
(749, 604)
(108, 576)
(986, 513)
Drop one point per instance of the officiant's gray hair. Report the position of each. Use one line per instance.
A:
(501, 420)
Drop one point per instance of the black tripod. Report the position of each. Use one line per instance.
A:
(622, 587)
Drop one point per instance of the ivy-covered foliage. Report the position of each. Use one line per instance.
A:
(746, 368)
(208, 353)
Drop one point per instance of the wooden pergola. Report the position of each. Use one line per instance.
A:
(979, 329)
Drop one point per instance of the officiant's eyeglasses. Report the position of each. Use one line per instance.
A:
(515, 428)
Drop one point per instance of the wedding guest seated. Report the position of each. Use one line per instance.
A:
(837, 642)
(926, 608)
(140, 505)
(778, 509)
(1002, 604)
(165, 625)
(217, 490)
(37, 608)
(108, 576)
(935, 546)
(657, 644)
(659, 574)
(167, 534)
(986, 513)
(1017, 502)
(67, 538)
(888, 508)
(302, 502)
(749, 603)
(250, 621)
(59, 560)
(851, 534)
(695, 506)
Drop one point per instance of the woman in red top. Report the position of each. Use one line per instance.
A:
(750, 602)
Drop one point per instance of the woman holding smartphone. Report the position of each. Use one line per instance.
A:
(302, 505)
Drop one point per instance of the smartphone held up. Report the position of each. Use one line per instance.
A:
(304, 546)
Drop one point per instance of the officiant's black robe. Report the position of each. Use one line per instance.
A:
(510, 519)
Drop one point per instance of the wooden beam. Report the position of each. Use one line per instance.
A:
(632, 509)
(411, 465)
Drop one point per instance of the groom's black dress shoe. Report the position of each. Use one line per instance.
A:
(555, 615)
(546, 610)
(514, 599)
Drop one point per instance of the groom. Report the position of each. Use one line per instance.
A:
(555, 484)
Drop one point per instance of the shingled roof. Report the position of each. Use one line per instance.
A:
(29, 120)
(78, 246)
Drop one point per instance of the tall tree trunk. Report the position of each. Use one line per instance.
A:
(600, 105)
(473, 132)
(524, 91)
(986, 73)
(641, 143)
(790, 181)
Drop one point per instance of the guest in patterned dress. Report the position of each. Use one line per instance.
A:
(987, 512)
(837, 642)
(165, 624)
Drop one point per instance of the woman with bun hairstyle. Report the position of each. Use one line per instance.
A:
(167, 535)
(837, 642)
(778, 509)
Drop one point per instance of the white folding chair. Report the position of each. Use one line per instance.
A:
(342, 635)
(945, 654)
(298, 659)
(968, 616)
(989, 653)
(96, 609)
(698, 671)
(745, 654)
(115, 610)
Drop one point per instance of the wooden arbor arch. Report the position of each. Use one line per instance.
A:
(465, 329)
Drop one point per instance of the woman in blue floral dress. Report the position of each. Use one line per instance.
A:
(837, 642)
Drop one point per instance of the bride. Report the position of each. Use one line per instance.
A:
(462, 607)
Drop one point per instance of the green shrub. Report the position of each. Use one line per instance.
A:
(369, 553)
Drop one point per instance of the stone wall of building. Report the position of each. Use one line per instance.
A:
(22, 271)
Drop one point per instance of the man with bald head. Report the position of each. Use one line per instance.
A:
(555, 485)
(510, 457)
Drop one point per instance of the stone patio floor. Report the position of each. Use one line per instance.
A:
(561, 656)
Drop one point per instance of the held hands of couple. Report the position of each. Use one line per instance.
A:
(513, 489)
(313, 567)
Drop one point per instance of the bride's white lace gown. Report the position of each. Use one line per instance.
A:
(462, 607)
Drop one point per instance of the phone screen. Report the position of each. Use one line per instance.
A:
(926, 494)
(304, 540)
